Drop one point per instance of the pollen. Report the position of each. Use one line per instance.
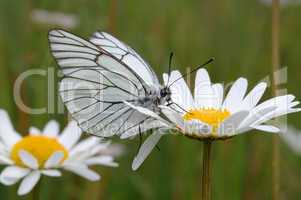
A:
(41, 147)
(210, 116)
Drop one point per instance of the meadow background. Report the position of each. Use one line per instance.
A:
(237, 33)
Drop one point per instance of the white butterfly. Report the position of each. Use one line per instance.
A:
(109, 89)
(103, 75)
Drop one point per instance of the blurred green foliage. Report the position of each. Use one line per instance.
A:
(237, 33)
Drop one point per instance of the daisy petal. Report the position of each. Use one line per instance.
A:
(102, 160)
(12, 174)
(5, 160)
(292, 137)
(254, 115)
(70, 135)
(83, 171)
(165, 78)
(267, 128)
(251, 100)
(173, 116)
(34, 131)
(51, 129)
(28, 159)
(29, 182)
(7, 133)
(203, 92)
(230, 125)
(54, 159)
(84, 145)
(146, 149)
(218, 95)
(52, 172)
(181, 94)
(235, 95)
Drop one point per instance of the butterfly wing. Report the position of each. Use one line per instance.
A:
(95, 86)
(126, 54)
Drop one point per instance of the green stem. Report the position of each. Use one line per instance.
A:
(275, 67)
(206, 173)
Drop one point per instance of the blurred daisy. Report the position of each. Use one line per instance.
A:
(47, 152)
(208, 115)
(46, 17)
(292, 137)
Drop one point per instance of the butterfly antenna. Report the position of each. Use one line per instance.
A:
(169, 66)
(203, 65)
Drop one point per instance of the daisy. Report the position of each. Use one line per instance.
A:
(47, 152)
(210, 116)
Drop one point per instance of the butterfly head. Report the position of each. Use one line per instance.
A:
(165, 94)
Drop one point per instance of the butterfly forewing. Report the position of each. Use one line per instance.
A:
(97, 81)
(125, 54)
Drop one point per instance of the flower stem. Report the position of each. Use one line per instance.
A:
(206, 173)
(275, 67)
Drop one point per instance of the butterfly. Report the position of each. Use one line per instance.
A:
(100, 77)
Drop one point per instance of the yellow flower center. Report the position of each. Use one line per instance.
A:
(41, 147)
(211, 116)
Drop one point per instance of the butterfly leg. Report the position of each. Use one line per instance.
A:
(140, 138)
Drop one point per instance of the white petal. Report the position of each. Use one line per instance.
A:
(251, 100)
(34, 131)
(52, 172)
(283, 107)
(203, 92)
(7, 132)
(146, 149)
(254, 115)
(230, 125)
(267, 128)
(51, 129)
(29, 182)
(102, 160)
(181, 94)
(84, 145)
(83, 171)
(12, 174)
(235, 95)
(276, 101)
(173, 116)
(70, 135)
(165, 79)
(54, 159)
(28, 159)
(292, 137)
(5, 160)
(218, 95)
(196, 127)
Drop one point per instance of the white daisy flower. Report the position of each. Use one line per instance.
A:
(45, 17)
(211, 116)
(47, 152)
(208, 115)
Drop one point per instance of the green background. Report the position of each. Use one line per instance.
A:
(237, 33)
